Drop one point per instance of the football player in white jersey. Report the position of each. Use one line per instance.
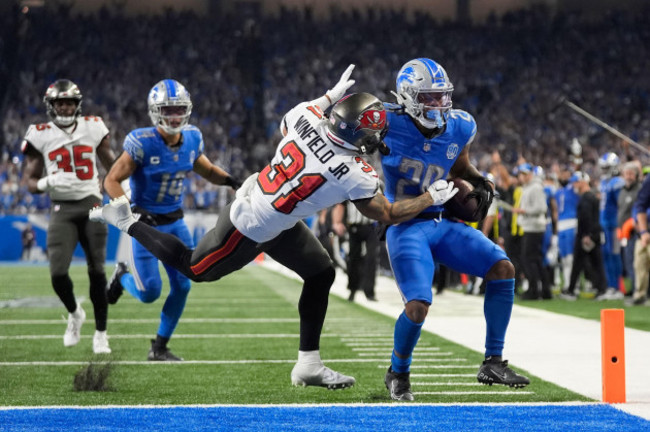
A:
(60, 159)
(316, 165)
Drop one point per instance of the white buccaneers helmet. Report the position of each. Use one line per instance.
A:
(424, 89)
(62, 89)
(170, 106)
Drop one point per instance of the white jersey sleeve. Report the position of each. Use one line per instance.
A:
(73, 151)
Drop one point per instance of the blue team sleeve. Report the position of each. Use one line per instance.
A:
(134, 148)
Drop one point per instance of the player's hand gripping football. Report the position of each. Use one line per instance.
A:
(337, 92)
(442, 191)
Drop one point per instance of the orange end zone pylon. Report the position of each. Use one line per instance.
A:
(259, 258)
(612, 335)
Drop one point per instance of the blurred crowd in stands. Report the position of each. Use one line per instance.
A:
(245, 71)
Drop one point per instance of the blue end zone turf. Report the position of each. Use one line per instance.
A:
(366, 418)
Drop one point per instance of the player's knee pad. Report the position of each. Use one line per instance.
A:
(150, 296)
(152, 287)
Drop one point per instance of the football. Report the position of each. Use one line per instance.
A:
(462, 205)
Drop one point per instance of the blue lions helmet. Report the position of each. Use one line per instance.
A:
(608, 163)
(170, 106)
(424, 89)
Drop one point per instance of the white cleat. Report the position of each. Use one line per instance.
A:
(100, 343)
(319, 375)
(117, 213)
(72, 334)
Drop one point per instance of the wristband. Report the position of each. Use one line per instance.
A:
(42, 184)
(232, 182)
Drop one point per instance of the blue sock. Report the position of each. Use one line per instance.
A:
(497, 308)
(173, 308)
(406, 337)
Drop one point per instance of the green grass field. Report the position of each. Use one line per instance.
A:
(239, 338)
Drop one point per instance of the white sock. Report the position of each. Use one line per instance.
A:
(309, 357)
(100, 333)
(77, 312)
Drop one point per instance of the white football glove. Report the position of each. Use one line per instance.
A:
(56, 180)
(442, 191)
(553, 250)
(247, 187)
(126, 187)
(337, 92)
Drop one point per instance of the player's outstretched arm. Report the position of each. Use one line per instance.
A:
(213, 173)
(379, 208)
(114, 182)
(337, 92)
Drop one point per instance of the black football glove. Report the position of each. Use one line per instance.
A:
(484, 194)
(232, 182)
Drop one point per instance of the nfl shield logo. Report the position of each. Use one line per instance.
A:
(427, 146)
(452, 151)
(175, 158)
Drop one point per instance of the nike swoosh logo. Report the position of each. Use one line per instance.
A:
(503, 376)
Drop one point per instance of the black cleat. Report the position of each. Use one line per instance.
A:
(495, 371)
(115, 288)
(164, 354)
(399, 385)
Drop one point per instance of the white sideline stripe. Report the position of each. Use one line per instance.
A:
(307, 405)
(477, 393)
(442, 375)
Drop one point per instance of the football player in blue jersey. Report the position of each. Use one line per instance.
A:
(428, 141)
(567, 206)
(610, 186)
(157, 160)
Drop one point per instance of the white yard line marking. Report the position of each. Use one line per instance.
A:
(517, 392)
(382, 347)
(376, 345)
(436, 384)
(182, 321)
(449, 366)
(185, 362)
(442, 375)
(390, 405)
(176, 336)
(416, 354)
